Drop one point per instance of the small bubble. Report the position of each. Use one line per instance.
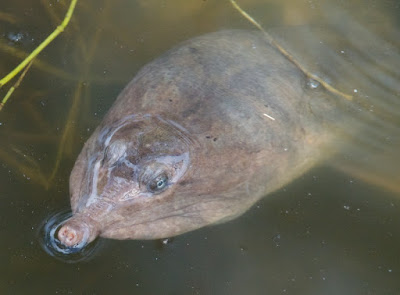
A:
(15, 37)
(277, 240)
(313, 84)
(355, 90)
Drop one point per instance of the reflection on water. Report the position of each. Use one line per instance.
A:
(326, 233)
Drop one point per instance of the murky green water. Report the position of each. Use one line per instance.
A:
(326, 233)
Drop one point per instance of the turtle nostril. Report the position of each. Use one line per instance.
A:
(70, 236)
(77, 231)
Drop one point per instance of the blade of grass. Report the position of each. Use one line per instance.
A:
(288, 55)
(43, 45)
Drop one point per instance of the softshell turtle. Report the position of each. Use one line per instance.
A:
(196, 138)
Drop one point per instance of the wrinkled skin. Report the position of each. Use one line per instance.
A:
(197, 137)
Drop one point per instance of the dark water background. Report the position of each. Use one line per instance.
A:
(326, 233)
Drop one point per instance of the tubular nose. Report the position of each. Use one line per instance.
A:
(78, 231)
(71, 235)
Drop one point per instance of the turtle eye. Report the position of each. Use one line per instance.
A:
(158, 184)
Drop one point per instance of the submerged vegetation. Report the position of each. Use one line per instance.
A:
(18, 153)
